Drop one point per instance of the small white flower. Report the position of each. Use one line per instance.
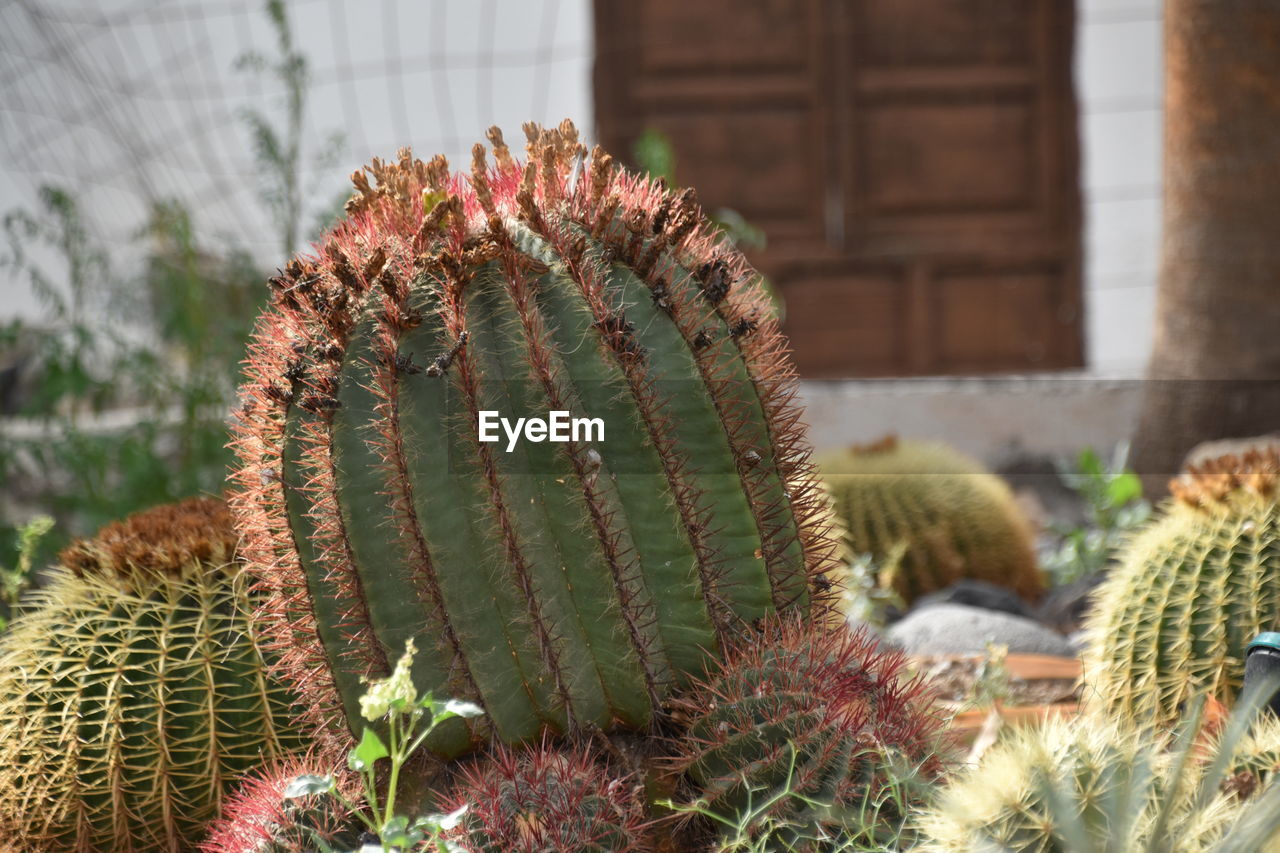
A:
(377, 700)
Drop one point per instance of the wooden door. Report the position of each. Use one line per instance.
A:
(912, 162)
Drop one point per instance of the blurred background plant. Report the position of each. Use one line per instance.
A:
(14, 580)
(871, 598)
(1111, 495)
(655, 156)
(278, 150)
(116, 397)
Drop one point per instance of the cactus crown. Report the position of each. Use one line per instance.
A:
(1215, 483)
(558, 584)
(168, 540)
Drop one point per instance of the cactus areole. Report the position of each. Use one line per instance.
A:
(562, 584)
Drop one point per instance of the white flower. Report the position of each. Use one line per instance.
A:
(380, 696)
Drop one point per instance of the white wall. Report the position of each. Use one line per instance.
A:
(1119, 85)
(120, 99)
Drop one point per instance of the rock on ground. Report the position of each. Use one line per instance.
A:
(957, 629)
(978, 593)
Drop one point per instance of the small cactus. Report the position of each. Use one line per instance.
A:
(1116, 783)
(258, 819)
(545, 797)
(829, 717)
(939, 514)
(132, 693)
(1190, 591)
(563, 586)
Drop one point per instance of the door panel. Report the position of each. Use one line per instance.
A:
(913, 163)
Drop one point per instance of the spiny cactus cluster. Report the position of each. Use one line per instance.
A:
(132, 692)
(548, 797)
(955, 519)
(562, 585)
(828, 717)
(1003, 803)
(1191, 590)
(258, 819)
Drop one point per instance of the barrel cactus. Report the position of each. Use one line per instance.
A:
(954, 518)
(1190, 591)
(561, 584)
(828, 718)
(547, 797)
(1101, 768)
(132, 694)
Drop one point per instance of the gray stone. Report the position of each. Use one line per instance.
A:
(977, 593)
(956, 629)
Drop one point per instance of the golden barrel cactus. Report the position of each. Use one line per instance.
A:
(1191, 590)
(132, 691)
(947, 516)
(1100, 768)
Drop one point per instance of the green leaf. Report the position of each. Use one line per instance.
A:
(369, 750)
(1124, 488)
(1089, 463)
(307, 785)
(655, 155)
(397, 832)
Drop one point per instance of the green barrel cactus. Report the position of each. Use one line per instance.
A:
(1189, 592)
(794, 718)
(132, 694)
(561, 584)
(934, 513)
(1101, 767)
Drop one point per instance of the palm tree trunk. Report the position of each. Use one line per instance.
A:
(1215, 364)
